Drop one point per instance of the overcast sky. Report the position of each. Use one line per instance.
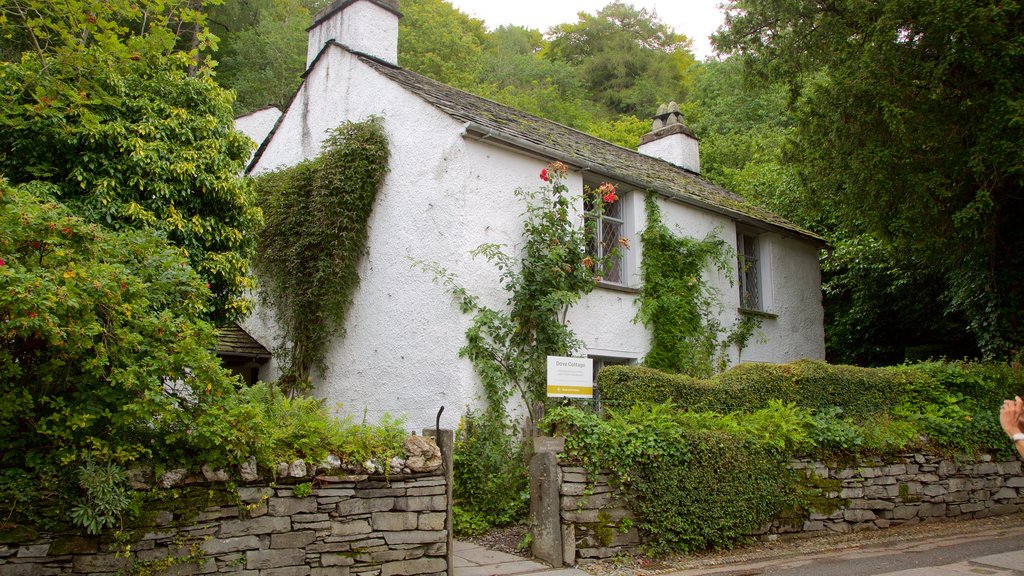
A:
(695, 18)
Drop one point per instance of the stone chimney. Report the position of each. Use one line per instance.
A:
(367, 26)
(670, 139)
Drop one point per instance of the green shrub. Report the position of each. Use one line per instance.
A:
(859, 410)
(694, 480)
(808, 384)
(262, 421)
(490, 485)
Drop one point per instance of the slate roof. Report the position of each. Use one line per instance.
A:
(558, 142)
(580, 149)
(232, 340)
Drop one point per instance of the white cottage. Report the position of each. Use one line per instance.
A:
(456, 160)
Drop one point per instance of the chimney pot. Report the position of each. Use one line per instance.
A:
(670, 139)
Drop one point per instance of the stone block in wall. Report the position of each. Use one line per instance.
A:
(228, 545)
(1004, 509)
(905, 512)
(351, 527)
(428, 503)
(426, 491)
(947, 468)
(33, 551)
(431, 521)
(1010, 468)
(262, 525)
(290, 506)
(415, 537)
(579, 489)
(858, 515)
(394, 521)
(100, 563)
(382, 492)
(411, 567)
(930, 510)
(601, 500)
(331, 571)
(597, 552)
(852, 492)
(957, 497)
(971, 507)
(985, 468)
(264, 559)
(876, 492)
(286, 571)
(329, 559)
(1005, 494)
(813, 525)
(391, 555)
(294, 539)
(869, 472)
(354, 506)
(322, 493)
(870, 505)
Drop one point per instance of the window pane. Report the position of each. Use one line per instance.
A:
(610, 234)
(749, 271)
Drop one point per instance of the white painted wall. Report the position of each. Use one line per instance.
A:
(257, 125)
(447, 193)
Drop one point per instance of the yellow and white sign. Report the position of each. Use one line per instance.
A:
(570, 377)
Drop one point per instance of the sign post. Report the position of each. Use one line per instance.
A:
(570, 377)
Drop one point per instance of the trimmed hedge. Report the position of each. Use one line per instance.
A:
(815, 385)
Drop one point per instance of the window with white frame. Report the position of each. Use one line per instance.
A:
(607, 224)
(748, 251)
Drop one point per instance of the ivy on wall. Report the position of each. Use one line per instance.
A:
(679, 305)
(317, 220)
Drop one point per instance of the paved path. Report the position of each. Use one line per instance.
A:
(996, 552)
(473, 560)
(988, 553)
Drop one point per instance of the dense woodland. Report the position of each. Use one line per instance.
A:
(892, 128)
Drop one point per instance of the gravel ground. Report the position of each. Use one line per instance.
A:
(507, 540)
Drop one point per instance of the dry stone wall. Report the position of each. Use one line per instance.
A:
(596, 521)
(354, 525)
(914, 488)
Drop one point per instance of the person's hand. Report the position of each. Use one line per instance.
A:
(1012, 415)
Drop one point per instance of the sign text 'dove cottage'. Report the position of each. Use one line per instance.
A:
(570, 377)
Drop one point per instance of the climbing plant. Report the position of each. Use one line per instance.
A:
(509, 347)
(679, 305)
(317, 215)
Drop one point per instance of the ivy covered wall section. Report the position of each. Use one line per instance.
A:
(317, 219)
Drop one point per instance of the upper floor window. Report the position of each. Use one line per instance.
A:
(605, 212)
(748, 251)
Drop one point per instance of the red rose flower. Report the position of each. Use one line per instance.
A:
(544, 174)
(607, 192)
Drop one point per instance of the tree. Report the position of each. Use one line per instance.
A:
(909, 127)
(104, 354)
(262, 51)
(436, 40)
(629, 60)
(114, 106)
